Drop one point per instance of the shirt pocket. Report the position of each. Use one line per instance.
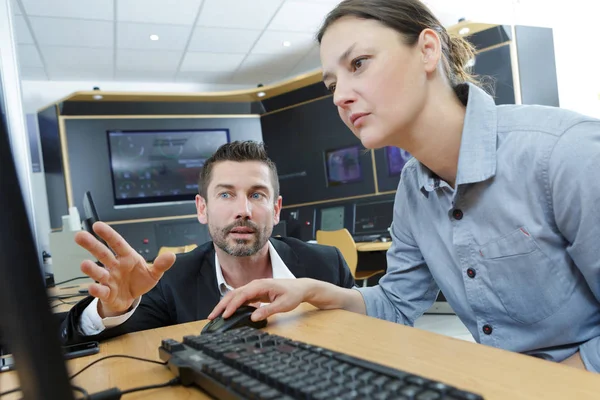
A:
(525, 280)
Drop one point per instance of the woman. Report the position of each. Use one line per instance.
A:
(500, 207)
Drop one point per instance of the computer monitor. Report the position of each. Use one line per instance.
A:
(149, 167)
(396, 158)
(373, 218)
(343, 166)
(26, 322)
(332, 218)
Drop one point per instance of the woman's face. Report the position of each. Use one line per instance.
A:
(379, 83)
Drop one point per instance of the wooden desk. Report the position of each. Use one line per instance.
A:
(373, 246)
(494, 373)
(69, 294)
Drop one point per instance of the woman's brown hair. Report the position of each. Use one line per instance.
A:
(410, 18)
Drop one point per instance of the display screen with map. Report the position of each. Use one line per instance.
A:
(159, 166)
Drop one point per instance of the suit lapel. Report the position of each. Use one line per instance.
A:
(289, 257)
(208, 294)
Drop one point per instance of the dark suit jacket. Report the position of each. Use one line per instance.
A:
(188, 291)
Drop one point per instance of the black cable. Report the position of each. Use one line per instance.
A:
(10, 391)
(87, 396)
(72, 279)
(172, 382)
(81, 390)
(116, 356)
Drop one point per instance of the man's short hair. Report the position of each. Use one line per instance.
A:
(238, 151)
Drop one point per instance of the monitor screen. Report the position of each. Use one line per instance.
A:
(396, 158)
(159, 166)
(343, 165)
(332, 218)
(373, 218)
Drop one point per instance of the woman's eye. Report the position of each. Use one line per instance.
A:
(357, 63)
(331, 88)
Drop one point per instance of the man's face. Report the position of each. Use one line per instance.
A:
(239, 208)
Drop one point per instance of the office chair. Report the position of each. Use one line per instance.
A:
(342, 239)
(176, 250)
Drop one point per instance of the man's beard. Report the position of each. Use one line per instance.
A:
(239, 247)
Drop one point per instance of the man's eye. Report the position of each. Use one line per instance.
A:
(257, 195)
(225, 195)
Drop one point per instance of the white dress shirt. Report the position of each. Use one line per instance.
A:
(92, 324)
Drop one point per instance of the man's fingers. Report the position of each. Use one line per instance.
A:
(161, 264)
(113, 239)
(97, 249)
(95, 272)
(99, 291)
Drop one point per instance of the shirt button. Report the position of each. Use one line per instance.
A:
(471, 273)
(457, 214)
(487, 329)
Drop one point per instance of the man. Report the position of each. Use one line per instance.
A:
(239, 201)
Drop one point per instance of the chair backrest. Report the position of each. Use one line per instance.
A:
(176, 250)
(343, 240)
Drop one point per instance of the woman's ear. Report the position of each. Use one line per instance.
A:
(430, 47)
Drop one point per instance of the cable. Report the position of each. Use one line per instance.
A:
(72, 279)
(81, 390)
(172, 382)
(87, 396)
(116, 356)
(10, 391)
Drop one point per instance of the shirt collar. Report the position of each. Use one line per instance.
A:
(280, 270)
(477, 154)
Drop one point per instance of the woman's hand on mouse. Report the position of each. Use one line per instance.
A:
(126, 275)
(285, 295)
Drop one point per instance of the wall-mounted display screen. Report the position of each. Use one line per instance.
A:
(396, 158)
(343, 165)
(332, 218)
(159, 166)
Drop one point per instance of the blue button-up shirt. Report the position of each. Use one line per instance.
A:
(515, 247)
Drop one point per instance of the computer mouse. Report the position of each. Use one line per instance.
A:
(241, 317)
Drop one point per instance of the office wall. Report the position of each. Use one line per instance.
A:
(297, 139)
(90, 168)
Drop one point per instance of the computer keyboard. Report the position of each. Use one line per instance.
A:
(247, 363)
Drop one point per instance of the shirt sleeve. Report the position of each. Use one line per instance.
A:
(91, 324)
(407, 289)
(574, 188)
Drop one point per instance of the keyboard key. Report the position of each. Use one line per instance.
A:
(252, 364)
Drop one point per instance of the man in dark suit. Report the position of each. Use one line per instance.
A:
(239, 201)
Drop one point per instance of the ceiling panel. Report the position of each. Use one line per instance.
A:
(80, 57)
(14, 7)
(181, 12)
(72, 32)
(22, 30)
(273, 64)
(80, 73)
(146, 60)
(253, 78)
(271, 42)
(29, 56)
(88, 9)
(33, 74)
(144, 76)
(137, 36)
(250, 14)
(222, 40)
(300, 16)
(310, 62)
(205, 77)
(211, 62)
